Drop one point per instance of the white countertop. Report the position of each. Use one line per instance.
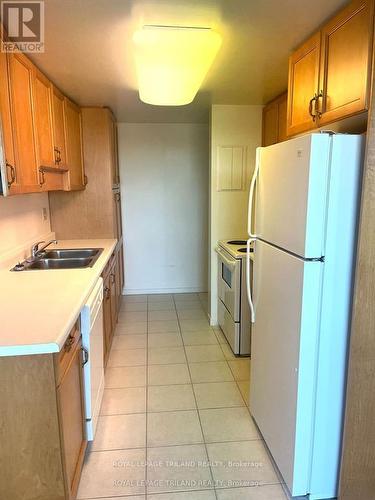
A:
(39, 308)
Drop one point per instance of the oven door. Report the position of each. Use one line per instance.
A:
(229, 283)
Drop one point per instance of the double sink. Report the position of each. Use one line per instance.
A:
(69, 258)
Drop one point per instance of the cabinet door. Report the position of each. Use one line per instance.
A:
(117, 215)
(7, 130)
(303, 86)
(116, 173)
(72, 417)
(114, 297)
(282, 111)
(20, 85)
(274, 121)
(346, 62)
(58, 127)
(122, 274)
(107, 318)
(119, 278)
(43, 120)
(270, 124)
(73, 141)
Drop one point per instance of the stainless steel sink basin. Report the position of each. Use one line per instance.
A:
(69, 258)
(72, 253)
(59, 264)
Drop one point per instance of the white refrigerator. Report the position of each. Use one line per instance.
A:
(304, 223)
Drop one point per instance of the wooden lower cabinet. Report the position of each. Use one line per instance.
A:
(42, 431)
(72, 418)
(113, 283)
(107, 317)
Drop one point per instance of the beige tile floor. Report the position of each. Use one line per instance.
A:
(174, 421)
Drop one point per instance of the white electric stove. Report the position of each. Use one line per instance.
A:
(233, 306)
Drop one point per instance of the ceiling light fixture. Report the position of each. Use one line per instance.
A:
(172, 62)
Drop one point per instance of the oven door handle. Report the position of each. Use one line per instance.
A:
(229, 263)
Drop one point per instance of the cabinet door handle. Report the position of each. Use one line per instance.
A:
(42, 178)
(313, 99)
(318, 108)
(12, 174)
(107, 293)
(112, 278)
(85, 353)
(57, 155)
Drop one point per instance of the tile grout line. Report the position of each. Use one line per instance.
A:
(180, 445)
(197, 410)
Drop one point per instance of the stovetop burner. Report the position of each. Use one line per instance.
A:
(244, 250)
(237, 242)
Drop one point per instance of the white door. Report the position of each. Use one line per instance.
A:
(291, 194)
(284, 341)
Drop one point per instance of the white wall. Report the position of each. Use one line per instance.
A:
(238, 126)
(164, 184)
(21, 221)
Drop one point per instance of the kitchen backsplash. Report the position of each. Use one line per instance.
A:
(23, 219)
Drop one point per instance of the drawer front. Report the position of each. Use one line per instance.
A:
(67, 351)
(230, 328)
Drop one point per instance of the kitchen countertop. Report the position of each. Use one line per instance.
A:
(39, 308)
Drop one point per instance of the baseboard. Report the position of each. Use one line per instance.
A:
(150, 291)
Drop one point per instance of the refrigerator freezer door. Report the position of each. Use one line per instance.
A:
(291, 194)
(284, 345)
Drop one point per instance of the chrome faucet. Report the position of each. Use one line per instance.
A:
(35, 250)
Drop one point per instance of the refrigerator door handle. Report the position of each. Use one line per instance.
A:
(251, 195)
(248, 285)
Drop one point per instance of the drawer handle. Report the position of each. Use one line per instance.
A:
(85, 353)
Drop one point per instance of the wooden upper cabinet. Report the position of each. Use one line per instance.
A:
(43, 120)
(270, 124)
(21, 101)
(329, 75)
(282, 109)
(112, 130)
(274, 121)
(346, 62)
(302, 86)
(116, 172)
(58, 126)
(73, 142)
(7, 129)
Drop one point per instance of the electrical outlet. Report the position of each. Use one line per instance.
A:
(44, 214)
